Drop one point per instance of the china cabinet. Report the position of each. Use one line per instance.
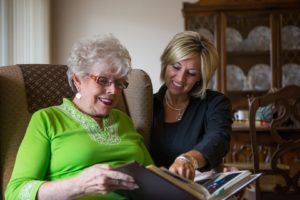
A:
(258, 42)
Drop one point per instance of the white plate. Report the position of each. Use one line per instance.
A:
(233, 39)
(290, 37)
(207, 34)
(235, 78)
(259, 77)
(259, 38)
(290, 74)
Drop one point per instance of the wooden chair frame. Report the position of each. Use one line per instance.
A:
(286, 102)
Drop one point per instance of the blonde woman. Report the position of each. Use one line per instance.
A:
(192, 124)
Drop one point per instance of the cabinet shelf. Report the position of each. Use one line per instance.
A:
(239, 99)
(248, 53)
(247, 92)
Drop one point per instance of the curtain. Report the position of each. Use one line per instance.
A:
(24, 31)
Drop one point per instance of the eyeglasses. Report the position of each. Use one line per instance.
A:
(104, 81)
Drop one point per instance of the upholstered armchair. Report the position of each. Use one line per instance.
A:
(29, 87)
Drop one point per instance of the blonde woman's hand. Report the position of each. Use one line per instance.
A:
(183, 168)
(102, 179)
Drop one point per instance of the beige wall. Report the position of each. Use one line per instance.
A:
(143, 26)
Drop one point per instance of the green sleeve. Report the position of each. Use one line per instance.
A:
(32, 160)
(148, 160)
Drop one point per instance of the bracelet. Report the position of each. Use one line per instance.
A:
(194, 161)
(189, 159)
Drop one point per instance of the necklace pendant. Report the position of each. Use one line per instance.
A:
(179, 116)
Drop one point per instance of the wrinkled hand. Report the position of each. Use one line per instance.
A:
(183, 168)
(102, 179)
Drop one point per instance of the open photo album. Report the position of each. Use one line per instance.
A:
(160, 183)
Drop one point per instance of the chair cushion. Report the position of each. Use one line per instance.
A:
(45, 85)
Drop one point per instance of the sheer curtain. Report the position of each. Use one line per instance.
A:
(24, 31)
(4, 55)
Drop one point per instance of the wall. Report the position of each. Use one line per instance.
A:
(143, 26)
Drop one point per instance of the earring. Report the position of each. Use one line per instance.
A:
(78, 95)
(199, 82)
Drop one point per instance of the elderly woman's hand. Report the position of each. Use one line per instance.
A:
(183, 168)
(102, 179)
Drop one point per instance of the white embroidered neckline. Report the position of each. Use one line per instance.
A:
(108, 135)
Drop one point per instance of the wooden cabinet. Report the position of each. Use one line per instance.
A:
(258, 42)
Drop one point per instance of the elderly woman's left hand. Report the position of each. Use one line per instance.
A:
(183, 168)
(102, 179)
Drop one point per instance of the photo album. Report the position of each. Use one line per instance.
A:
(159, 183)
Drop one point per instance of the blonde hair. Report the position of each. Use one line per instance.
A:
(104, 50)
(186, 45)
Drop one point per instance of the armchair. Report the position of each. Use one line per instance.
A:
(28, 87)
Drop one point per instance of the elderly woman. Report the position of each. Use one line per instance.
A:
(192, 124)
(69, 150)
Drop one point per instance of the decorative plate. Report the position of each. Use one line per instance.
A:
(235, 78)
(290, 74)
(233, 39)
(259, 38)
(207, 34)
(259, 77)
(290, 37)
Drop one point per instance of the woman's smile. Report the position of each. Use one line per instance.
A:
(106, 101)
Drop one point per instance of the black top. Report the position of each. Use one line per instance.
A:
(205, 127)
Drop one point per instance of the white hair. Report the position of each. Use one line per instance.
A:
(104, 51)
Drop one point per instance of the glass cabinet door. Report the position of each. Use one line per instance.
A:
(205, 24)
(248, 68)
(290, 48)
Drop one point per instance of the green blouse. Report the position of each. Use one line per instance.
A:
(61, 141)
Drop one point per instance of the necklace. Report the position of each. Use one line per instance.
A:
(179, 111)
